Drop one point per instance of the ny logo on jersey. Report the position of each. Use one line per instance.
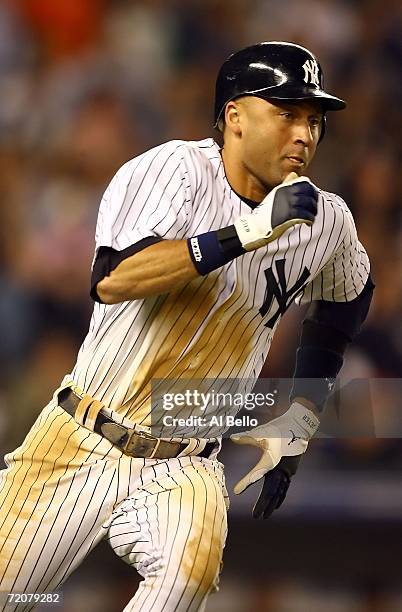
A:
(278, 290)
(311, 72)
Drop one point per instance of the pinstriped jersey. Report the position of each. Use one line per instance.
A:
(220, 325)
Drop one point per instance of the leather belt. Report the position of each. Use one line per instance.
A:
(134, 443)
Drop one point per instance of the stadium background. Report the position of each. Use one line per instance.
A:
(87, 85)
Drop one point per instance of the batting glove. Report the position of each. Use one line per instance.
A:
(282, 442)
(293, 201)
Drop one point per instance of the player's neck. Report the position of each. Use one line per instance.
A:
(240, 179)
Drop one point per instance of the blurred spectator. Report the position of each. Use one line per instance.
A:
(65, 27)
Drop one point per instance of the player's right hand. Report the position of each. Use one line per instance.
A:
(293, 201)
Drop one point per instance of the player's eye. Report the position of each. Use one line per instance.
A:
(286, 114)
(315, 121)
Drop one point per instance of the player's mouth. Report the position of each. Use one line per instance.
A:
(296, 161)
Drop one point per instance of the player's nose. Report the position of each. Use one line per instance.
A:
(303, 133)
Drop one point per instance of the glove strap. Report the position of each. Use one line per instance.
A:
(249, 232)
(304, 417)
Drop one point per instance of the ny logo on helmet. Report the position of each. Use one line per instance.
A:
(311, 72)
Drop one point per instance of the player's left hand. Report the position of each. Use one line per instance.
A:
(282, 442)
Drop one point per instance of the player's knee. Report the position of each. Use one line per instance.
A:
(199, 563)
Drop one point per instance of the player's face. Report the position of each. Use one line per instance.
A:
(277, 138)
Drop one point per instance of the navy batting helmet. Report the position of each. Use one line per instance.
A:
(272, 71)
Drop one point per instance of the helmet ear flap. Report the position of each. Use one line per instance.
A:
(323, 127)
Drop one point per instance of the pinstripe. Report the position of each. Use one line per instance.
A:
(148, 521)
(167, 588)
(298, 229)
(145, 593)
(171, 548)
(343, 223)
(197, 227)
(49, 505)
(44, 437)
(130, 329)
(169, 373)
(169, 559)
(178, 314)
(333, 280)
(50, 584)
(157, 302)
(357, 268)
(324, 249)
(317, 242)
(157, 518)
(172, 199)
(118, 482)
(119, 535)
(110, 322)
(95, 390)
(179, 564)
(215, 505)
(20, 468)
(306, 243)
(232, 323)
(263, 332)
(198, 546)
(178, 233)
(149, 163)
(353, 281)
(166, 184)
(344, 272)
(79, 551)
(127, 204)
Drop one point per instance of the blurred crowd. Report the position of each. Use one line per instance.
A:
(87, 85)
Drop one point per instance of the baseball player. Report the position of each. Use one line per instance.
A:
(200, 249)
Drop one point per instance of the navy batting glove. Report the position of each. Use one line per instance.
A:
(295, 200)
(275, 487)
(292, 202)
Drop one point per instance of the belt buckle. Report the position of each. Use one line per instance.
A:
(141, 444)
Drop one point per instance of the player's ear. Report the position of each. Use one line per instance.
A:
(233, 117)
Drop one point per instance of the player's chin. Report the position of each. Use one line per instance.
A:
(275, 177)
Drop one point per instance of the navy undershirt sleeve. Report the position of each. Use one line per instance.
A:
(107, 259)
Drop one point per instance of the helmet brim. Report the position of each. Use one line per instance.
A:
(327, 101)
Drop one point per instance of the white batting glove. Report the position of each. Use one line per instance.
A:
(285, 436)
(293, 201)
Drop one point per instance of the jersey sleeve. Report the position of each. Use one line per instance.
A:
(345, 274)
(148, 197)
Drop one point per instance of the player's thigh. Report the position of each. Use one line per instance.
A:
(54, 496)
(173, 532)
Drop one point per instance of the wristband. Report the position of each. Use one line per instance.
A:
(214, 249)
